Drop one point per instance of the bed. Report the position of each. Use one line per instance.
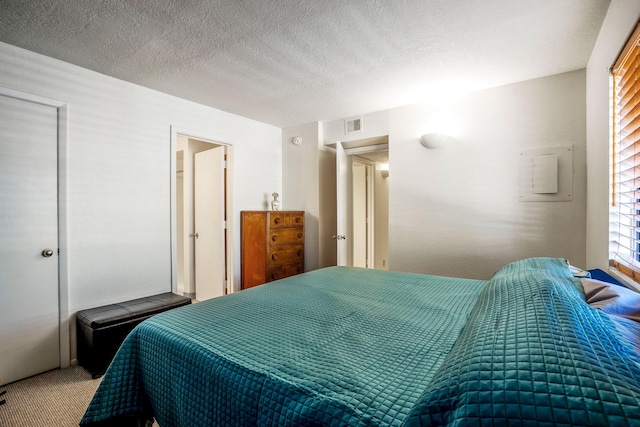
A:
(349, 346)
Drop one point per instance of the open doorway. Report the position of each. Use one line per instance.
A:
(202, 249)
(363, 203)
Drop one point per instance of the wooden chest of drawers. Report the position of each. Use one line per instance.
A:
(272, 245)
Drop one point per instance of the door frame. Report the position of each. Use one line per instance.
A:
(345, 153)
(64, 323)
(206, 137)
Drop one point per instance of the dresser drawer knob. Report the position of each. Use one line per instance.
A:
(274, 257)
(277, 220)
(299, 252)
(299, 235)
(274, 237)
(297, 219)
(274, 276)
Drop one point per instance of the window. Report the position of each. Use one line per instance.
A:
(625, 186)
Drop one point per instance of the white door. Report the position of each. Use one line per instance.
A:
(342, 204)
(29, 308)
(209, 197)
(359, 209)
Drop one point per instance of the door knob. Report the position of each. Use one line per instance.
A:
(47, 252)
(196, 235)
(339, 237)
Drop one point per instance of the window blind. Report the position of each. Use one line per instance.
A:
(625, 185)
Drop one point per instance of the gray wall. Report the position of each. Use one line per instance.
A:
(118, 174)
(455, 210)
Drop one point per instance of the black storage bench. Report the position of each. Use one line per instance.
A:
(100, 331)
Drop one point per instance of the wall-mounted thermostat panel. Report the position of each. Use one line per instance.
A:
(545, 174)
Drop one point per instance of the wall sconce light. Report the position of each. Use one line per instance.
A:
(434, 140)
(384, 169)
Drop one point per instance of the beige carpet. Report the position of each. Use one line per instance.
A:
(55, 398)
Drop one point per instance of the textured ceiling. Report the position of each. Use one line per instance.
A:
(288, 62)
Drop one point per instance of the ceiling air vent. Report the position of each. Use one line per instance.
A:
(353, 125)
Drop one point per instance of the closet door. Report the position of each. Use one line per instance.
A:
(29, 308)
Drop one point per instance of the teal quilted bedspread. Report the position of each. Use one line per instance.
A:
(534, 354)
(346, 346)
(337, 346)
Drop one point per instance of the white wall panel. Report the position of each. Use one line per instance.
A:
(455, 210)
(119, 172)
(300, 186)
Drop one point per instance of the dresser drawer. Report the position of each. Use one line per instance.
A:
(277, 219)
(296, 219)
(286, 236)
(285, 255)
(286, 219)
(284, 271)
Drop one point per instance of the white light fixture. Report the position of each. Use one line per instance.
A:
(384, 169)
(434, 140)
(297, 140)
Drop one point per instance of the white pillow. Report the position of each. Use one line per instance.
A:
(578, 272)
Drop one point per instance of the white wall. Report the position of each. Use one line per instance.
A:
(118, 178)
(455, 211)
(618, 25)
(300, 186)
